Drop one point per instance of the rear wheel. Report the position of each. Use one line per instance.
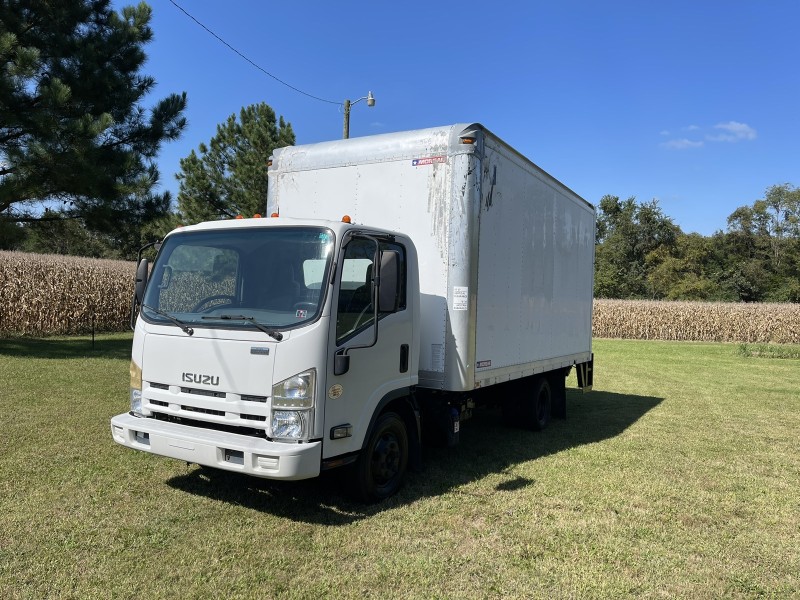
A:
(380, 469)
(539, 408)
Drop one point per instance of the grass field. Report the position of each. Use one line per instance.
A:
(679, 476)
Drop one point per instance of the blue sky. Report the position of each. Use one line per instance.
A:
(694, 103)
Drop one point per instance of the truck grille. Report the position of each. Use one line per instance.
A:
(198, 392)
(239, 413)
(254, 417)
(207, 411)
(251, 431)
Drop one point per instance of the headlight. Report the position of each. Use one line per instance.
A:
(289, 424)
(295, 392)
(136, 389)
(136, 401)
(136, 376)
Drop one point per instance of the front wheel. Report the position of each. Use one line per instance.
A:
(381, 467)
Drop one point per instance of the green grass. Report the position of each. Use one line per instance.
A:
(679, 476)
(769, 351)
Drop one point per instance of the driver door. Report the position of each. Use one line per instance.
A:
(374, 371)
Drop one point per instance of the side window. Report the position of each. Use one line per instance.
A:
(355, 310)
(313, 272)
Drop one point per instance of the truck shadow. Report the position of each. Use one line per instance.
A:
(487, 447)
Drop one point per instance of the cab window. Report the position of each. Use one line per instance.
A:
(355, 309)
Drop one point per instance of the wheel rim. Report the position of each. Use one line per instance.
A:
(386, 458)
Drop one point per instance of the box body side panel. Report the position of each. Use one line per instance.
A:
(535, 270)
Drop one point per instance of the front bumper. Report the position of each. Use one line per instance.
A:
(229, 451)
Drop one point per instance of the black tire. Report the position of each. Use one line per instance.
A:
(381, 467)
(529, 404)
(539, 409)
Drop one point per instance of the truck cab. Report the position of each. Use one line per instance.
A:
(277, 348)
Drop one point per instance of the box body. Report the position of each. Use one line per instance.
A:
(506, 252)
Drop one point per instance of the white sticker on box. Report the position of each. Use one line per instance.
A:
(460, 298)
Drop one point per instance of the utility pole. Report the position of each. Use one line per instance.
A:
(347, 104)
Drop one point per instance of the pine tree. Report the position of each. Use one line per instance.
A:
(228, 177)
(73, 129)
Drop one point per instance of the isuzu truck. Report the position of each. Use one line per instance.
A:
(396, 283)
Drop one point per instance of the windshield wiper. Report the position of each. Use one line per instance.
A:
(186, 329)
(276, 335)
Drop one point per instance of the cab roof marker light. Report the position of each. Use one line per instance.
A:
(274, 215)
(346, 219)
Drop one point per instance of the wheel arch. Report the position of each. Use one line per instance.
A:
(404, 403)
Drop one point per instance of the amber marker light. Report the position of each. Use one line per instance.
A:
(346, 219)
(274, 215)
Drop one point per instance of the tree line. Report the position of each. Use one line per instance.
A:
(641, 253)
(78, 172)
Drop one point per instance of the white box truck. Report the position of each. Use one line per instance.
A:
(400, 281)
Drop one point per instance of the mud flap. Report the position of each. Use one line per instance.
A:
(585, 373)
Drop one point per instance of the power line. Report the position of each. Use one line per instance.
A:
(259, 67)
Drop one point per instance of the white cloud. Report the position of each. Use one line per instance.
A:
(733, 131)
(681, 144)
(729, 132)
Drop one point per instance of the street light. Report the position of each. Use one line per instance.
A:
(347, 104)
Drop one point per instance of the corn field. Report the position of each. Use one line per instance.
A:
(62, 295)
(42, 294)
(697, 321)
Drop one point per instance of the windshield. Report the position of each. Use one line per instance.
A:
(241, 278)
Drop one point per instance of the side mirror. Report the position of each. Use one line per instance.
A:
(388, 298)
(141, 280)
